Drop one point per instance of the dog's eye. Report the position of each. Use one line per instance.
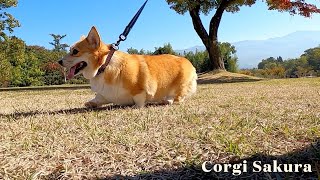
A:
(74, 52)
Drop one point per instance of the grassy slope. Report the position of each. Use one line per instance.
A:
(225, 77)
(48, 134)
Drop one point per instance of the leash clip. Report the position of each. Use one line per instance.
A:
(122, 37)
(115, 46)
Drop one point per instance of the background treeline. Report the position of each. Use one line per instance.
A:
(199, 59)
(23, 65)
(307, 65)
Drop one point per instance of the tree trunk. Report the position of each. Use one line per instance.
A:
(210, 40)
(216, 61)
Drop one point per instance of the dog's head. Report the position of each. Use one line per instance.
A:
(85, 56)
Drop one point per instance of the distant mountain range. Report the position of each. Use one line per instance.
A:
(251, 52)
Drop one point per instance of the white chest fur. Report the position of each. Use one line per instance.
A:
(114, 93)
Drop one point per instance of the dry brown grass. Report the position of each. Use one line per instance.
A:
(49, 135)
(225, 77)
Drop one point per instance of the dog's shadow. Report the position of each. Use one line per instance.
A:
(82, 110)
(19, 115)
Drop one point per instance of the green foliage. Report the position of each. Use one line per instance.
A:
(307, 65)
(32, 73)
(228, 54)
(182, 7)
(78, 80)
(22, 65)
(136, 51)
(199, 60)
(7, 21)
(54, 74)
(166, 49)
(206, 6)
(5, 70)
(313, 57)
(270, 62)
(232, 65)
(57, 46)
(209, 36)
(133, 51)
(297, 67)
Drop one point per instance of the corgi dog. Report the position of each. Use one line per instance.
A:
(129, 79)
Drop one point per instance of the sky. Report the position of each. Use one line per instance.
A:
(157, 25)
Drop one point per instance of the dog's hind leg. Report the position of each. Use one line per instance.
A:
(140, 99)
(187, 88)
(98, 101)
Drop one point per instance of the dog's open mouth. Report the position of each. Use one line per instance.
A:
(76, 69)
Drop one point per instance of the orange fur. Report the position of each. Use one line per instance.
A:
(132, 79)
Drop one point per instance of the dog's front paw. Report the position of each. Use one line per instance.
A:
(91, 104)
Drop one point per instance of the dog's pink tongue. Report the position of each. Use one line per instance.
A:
(71, 72)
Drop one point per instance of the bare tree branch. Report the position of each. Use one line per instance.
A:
(216, 19)
(197, 24)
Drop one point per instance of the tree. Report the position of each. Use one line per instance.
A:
(166, 49)
(136, 51)
(313, 57)
(133, 51)
(7, 21)
(57, 43)
(228, 54)
(58, 50)
(233, 65)
(210, 39)
(267, 63)
(15, 55)
(54, 74)
(279, 59)
(23, 67)
(5, 70)
(199, 60)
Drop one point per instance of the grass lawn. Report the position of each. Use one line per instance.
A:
(50, 135)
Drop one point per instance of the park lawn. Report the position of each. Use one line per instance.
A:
(50, 135)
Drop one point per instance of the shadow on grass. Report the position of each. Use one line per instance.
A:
(308, 155)
(226, 79)
(19, 115)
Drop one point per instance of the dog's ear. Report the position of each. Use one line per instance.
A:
(94, 38)
(82, 37)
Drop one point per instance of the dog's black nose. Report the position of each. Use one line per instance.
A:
(60, 62)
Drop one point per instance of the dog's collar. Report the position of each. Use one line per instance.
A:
(103, 67)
